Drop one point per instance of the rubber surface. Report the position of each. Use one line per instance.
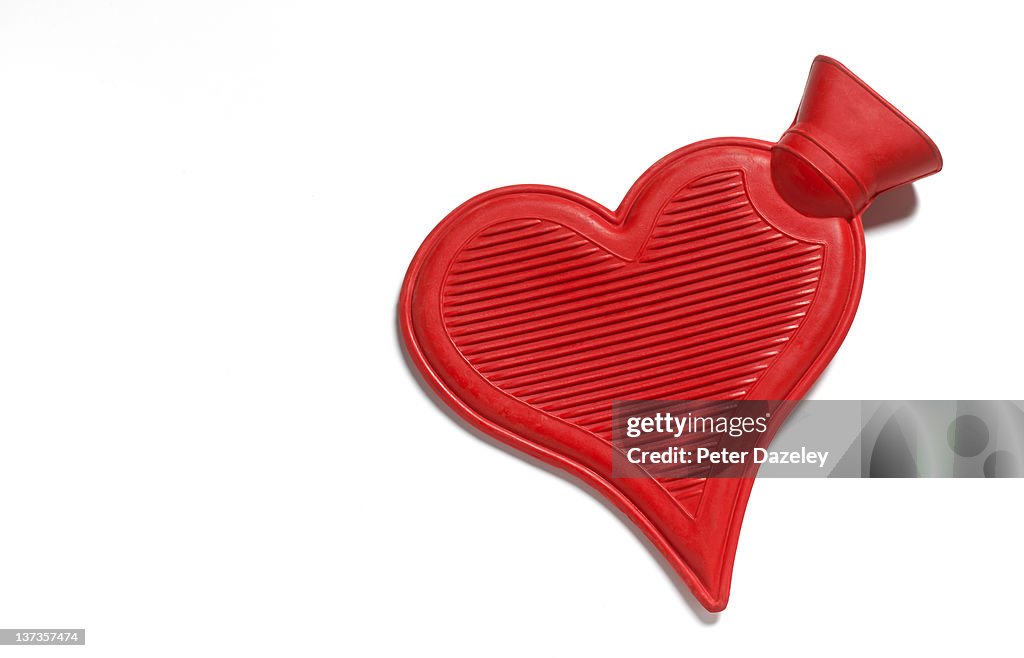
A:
(731, 270)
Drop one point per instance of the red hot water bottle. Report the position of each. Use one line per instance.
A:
(731, 271)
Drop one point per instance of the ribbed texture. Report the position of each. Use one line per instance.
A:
(555, 320)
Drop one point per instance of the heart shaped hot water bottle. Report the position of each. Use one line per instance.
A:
(731, 271)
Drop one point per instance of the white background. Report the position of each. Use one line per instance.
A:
(210, 443)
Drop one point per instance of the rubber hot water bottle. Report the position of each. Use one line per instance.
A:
(731, 271)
